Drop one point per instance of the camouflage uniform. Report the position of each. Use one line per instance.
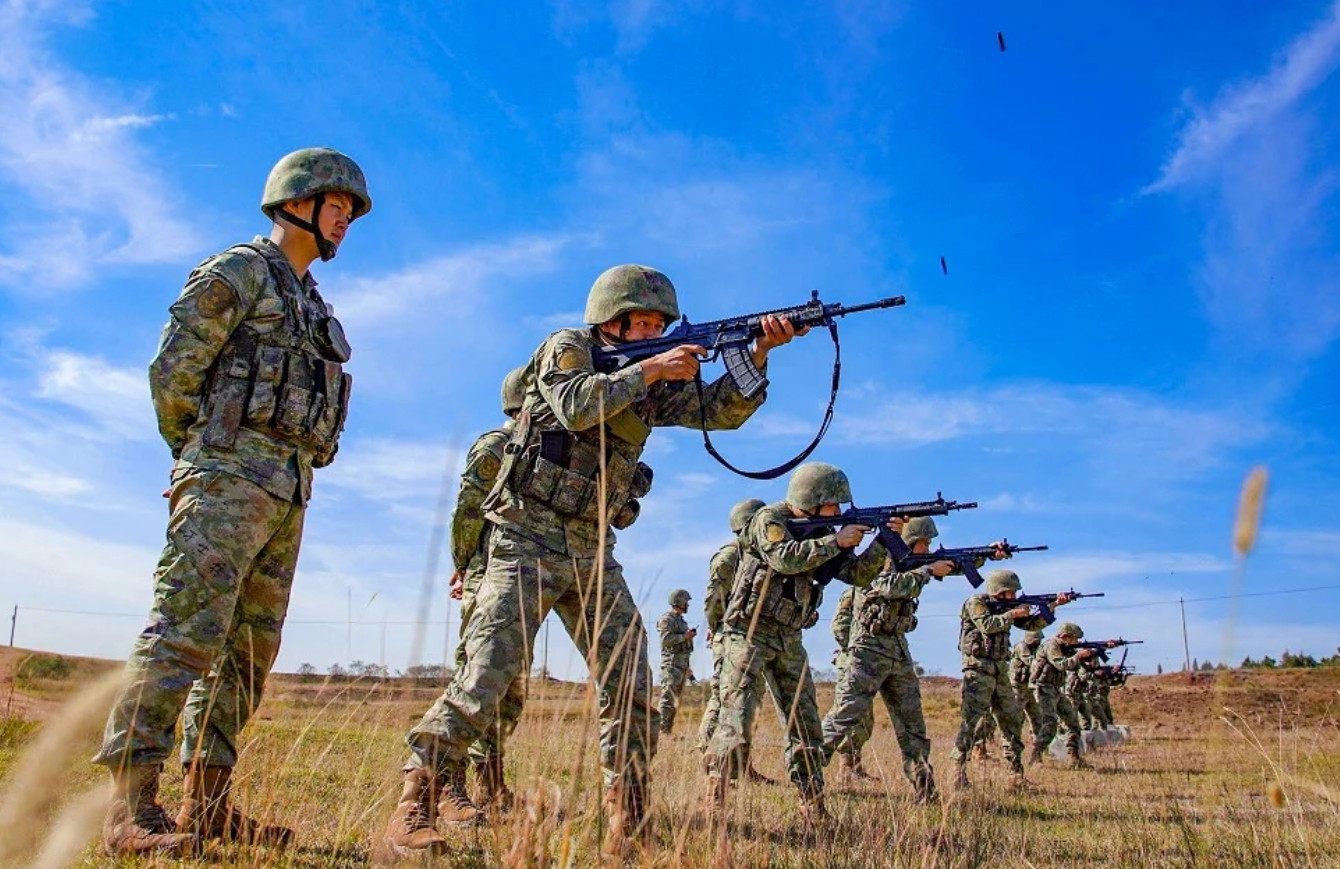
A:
(1021, 664)
(774, 596)
(250, 397)
(854, 740)
(1076, 689)
(984, 641)
(882, 664)
(1050, 667)
(1102, 705)
(720, 575)
(545, 551)
(469, 553)
(676, 649)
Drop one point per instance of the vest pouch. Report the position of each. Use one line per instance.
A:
(227, 401)
(750, 579)
(265, 388)
(326, 411)
(291, 414)
(541, 480)
(788, 613)
(573, 493)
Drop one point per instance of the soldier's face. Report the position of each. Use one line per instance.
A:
(921, 547)
(643, 325)
(336, 214)
(829, 510)
(1007, 595)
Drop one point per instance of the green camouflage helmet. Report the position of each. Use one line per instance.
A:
(814, 484)
(311, 171)
(1033, 637)
(998, 581)
(920, 528)
(625, 289)
(514, 391)
(680, 598)
(742, 512)
(1070, 629)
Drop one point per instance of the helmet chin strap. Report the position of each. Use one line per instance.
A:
(324, 246)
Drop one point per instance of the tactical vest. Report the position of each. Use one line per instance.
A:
(1021, 666)
(883, 617)
(287, 383)
(790, 603)
(1043, 673)
(976, 644)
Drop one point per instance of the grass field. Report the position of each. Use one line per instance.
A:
(1239, 772)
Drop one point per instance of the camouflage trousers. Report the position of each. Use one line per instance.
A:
(493, 744)
(707, 728)
(986, 730)
(1054, 707)
(853, 741)
(987, 691)
(222, 591)
(879, 665)
(1029, 704)
(522, 583)
(1102, 709)
(673, 680)
(782, 662)
(1080, 702)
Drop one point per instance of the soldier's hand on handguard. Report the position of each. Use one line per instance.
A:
(1062, 600)
(896, 524)
(776, 332)
(850, 535)
(678, 364)
(1001, 552)
(457, 587)
(691, 633)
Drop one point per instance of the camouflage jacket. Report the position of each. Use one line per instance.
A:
(984, 637)
(1021, 662)
(1053, 662)
(720, 574)
(777, 584)
(468, 524)
(249, 293)
(676, 647)
(889, 606)
(841, 626)
(554, 479)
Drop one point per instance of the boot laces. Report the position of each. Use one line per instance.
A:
(149, 814)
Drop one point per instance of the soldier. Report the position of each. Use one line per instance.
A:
(984, 640)
(469, 555)
(1105, 679)
(1021, 665)
(676, 650)
(572, 469)
(850, 748)
(720, 575)
(775, 595)
(1055, 659)
(1076, 689)
(881, 662)
(251, 395)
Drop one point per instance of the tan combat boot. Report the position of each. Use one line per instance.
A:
(961, 782)
(412, 831)
(812, 811)
(135, 822)
(1036, 755)
(494, 794)
(625, 810)
(924, 791)
(851, 769)
(208, 813)
(1077, 761)
(753, 775)
(981, 752)
(454, 805)
(714, 800)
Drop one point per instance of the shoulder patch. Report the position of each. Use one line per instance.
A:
(215, 300)
(570, 359)
(489, 466)
(774, 532)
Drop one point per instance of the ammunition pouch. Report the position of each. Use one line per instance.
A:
(789, 602)
(883, 617)
(563, 471)
(975, 644)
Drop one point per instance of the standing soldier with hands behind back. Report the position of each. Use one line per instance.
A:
(251, 395)
(676, 653)
(572, 471)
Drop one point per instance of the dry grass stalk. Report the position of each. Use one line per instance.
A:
(75, 827)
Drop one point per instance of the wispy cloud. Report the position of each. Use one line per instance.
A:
(1252, 161)
(92, 194)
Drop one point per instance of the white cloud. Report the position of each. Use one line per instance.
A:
(387, 470)
(69, 146)
(117, 399)
(1254, 160)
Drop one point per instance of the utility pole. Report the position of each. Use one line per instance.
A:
(544, 666)
(13, 625)
(349, 624)
(1186, 647)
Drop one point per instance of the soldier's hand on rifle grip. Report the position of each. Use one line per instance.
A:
(1021, 612)
(1001, 552)
(850, 535)
(1085, 653)
(943, 568)
(680, 363)
(692, 632)
(457, 588)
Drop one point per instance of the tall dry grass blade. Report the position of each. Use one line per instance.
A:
(34, 788)
(76, 826)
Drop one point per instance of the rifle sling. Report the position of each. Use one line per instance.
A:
(785, 467)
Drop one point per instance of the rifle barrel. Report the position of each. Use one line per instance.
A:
(891, 302)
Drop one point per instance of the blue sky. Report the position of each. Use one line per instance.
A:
(1137, 208)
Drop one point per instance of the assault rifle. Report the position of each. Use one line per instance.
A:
(729, 338)
(964, 559)
(1101, 646)
(877, 518)
(1040, 604)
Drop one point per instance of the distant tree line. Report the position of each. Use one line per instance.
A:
(1288, 660)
